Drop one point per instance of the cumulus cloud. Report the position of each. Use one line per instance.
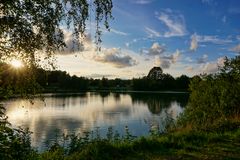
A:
(172, 58)
(236, 49)
(203, 59)
(162, 62)
(116, 58)
(194, 42)
(176, 56)
(167, 60)
(72, 46)
(213, 67)
(175, 22)
(156, 49)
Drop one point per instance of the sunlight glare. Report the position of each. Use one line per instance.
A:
(16, 63)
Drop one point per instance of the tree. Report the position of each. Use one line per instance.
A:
(33, 28)
(214, 99)
(28, 27)
(182, 82)
(155, 73)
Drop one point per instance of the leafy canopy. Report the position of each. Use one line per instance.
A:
(214, 99)
(28, 26)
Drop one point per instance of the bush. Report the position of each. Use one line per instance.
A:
(214, 99)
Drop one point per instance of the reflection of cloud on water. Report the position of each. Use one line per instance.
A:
(43, 119)
(174, 110)
(82, 113)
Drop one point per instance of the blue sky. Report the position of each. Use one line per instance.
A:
(183, 37)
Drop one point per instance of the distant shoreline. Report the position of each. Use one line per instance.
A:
(74, 92)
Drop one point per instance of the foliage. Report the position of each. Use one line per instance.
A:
(214, 99)
(29, 27)
(29, 31)
(20, 81)
(14, 143)
(177, 145)
(17, 81)
(167, 82)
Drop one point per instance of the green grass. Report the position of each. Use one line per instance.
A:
(177, 145)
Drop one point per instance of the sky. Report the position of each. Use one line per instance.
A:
(188, 37)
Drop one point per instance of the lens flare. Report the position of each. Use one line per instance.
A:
(16, 63)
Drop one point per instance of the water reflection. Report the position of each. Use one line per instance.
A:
(85, 111)
(158, 101)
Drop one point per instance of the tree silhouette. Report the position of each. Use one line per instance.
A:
(33, 28)
(28, 27)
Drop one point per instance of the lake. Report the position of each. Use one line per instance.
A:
(81, 112)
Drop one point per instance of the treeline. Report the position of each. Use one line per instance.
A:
(167, 82)
(62, 80)
(54, 81)
(18, 80)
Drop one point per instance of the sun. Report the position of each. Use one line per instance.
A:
(16, 63)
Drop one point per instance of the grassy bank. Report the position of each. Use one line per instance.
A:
(177, 145)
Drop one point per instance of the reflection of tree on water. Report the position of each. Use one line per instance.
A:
(159, 101)
(46, 130)
(103, 95)
(63, 99)
(63, 95)
(117, 97)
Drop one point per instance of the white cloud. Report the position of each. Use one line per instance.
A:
(142, 1)
(212, 39)
(175, 23)
(172, 58)
(165, 64)
(213, 67)
(116, 58)
(236, 49)
(189, 68)
(194, 42)
(156, 49)
(72, 45)
(221, 61)
(152, 33)
(118, 32)
(167, 60)
(176, 56)
(196, 39)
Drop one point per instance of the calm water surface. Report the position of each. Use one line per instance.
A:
(77, 113)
